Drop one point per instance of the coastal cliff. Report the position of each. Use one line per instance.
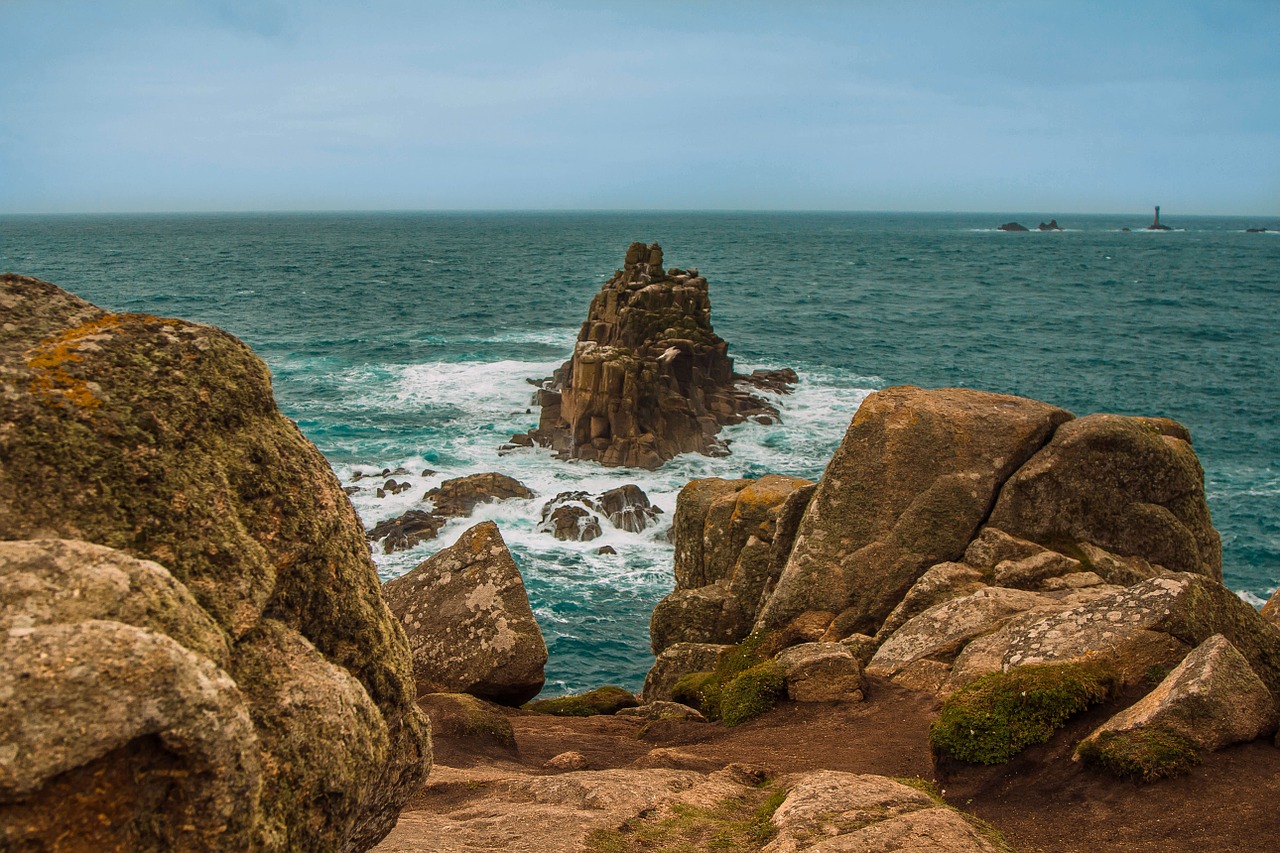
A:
(191, 611)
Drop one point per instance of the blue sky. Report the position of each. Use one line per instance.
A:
(165, 105)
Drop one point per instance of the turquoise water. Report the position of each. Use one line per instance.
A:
(405, 339)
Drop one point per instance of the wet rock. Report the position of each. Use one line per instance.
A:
(907, 489)
(649, 379)
(1013, 226)
(606, 550)
(469, 623)
(1051, 225)
(401, 534)
(458, 498)
(628, 508)
(161, 439)
(571, 523)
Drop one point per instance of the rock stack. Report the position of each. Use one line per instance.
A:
(649, 379)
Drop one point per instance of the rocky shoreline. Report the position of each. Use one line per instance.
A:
(204, 658)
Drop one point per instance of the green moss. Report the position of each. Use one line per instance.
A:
(999, 715)
(752, 693)
(1148, 753)
(735, 825)
(602, 700)
(745, 684)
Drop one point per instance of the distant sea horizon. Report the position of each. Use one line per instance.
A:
(405, 339)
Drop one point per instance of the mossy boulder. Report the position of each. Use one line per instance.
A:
(161, 439)
(462, 717)
(745, 684)
(999, 715)
(1211, 700)
(603, 700)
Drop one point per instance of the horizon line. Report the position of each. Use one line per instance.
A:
(604, 210)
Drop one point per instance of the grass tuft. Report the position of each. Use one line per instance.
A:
(735, 825)
(745, 684)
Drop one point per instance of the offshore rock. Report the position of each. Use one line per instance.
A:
(908, 488)
(160, 439)
(649, 379)
(456, 498)
(469, 623)
(573, 515)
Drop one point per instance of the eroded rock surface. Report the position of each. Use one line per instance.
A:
(469, 623)
(732, 538)
(160, 439)
(909, 486)
(649, 379)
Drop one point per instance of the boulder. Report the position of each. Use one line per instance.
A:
(731, 538)
(1153, 624)
(909, 486)
(940, 583)
(649, 378)
(458, 498)
(401, 534)
(465, 718)
(676, 662)
(1212, 699)
(822, 672)
(1132, 486)
(939, 633)
(863, 814)
(1271, 610)
(469, 623)
(161, 439)
(661, 710)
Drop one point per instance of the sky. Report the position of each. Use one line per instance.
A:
(242, 105)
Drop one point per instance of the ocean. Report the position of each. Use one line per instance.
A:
(404, 340)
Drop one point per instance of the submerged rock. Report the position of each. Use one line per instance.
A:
(573, 515)
(469, 623)
(649, 379)
(456, 498)
(1013, 226)
(161, 439)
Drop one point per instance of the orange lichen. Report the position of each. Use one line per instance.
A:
(48, 360)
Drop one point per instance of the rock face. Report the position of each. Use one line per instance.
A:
(1130, 485)
(732, 538)
(908, 488)
(470, 626)
(649, 379)
(160, 439)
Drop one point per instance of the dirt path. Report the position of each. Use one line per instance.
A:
(1042, 801)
